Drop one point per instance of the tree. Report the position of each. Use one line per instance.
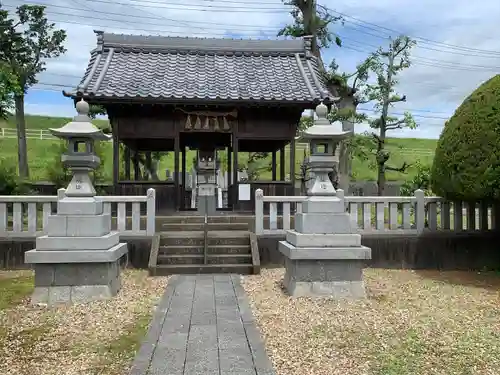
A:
(315, 20)
(8, 88)
(26, 45)
(387, 64)
(467, 161)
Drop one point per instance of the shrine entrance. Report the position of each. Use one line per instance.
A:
(205, 164)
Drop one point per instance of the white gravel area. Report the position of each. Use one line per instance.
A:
(78, 339)
(419, 323)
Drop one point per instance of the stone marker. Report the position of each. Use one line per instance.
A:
(324, 255)
(78, 260)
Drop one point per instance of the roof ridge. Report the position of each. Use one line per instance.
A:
(146, 42)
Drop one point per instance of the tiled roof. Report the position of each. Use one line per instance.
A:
(195, 69)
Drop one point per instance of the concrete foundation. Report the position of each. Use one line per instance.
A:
(76, 282)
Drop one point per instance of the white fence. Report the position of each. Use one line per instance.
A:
(10, 133)
(27, 216)
(381, 214)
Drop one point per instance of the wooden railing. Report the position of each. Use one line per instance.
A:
(417, 212)
(27, 216)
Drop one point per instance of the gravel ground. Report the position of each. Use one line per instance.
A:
(85, 339)
(418, 323)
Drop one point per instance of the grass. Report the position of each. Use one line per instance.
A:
(412, 323)
(14, 288)
(41, 153)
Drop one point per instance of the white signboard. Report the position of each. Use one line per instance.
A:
(244, 192)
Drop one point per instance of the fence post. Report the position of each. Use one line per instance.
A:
(259, 211)
(61, 193)
(151, 212)
(420, 210)
(340, 195)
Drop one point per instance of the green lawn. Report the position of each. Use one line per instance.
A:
(43, 152)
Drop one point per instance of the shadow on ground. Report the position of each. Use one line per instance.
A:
(486, 280)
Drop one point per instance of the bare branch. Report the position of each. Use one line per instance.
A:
(401, 169)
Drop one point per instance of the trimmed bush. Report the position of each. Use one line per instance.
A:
(467, 160)
(10, 183)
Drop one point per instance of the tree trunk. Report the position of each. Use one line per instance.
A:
(345, 152)
(22, 148)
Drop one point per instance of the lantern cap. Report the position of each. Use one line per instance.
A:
(81, 126)
(322, 128)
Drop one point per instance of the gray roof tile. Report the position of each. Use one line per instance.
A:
(173, 68)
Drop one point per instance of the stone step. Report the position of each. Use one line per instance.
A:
(220, 259)
(198, 250)
(197, 238)
(172, 269)
(175, 227)
(198, 219)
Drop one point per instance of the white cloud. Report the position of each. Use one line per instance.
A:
(434, 89)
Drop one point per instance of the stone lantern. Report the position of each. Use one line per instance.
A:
(323, 254)
(77, 260)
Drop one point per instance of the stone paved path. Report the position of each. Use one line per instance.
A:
(203, 325)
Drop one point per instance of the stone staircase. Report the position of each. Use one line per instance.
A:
(180, 247)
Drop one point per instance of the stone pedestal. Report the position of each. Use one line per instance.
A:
(79, 258)
(324, 255)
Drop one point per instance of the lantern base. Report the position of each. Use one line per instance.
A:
(75, 276)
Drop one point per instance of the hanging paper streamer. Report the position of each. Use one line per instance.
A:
(210, 116)
(226, 124)
(197, 124)
(188, 124)
(216, 124)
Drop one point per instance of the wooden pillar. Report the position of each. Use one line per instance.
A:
(116, 160)
(273, 165)
(137, 170)
(127, 163)
(229, 165)
(292, 164)
(235, 171)
(148, 162)
(177, 147)
(183, 187)
(282, 164)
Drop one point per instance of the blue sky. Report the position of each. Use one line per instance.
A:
(451, 59)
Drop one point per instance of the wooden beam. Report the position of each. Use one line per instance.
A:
(282, 164)
(116, 159)
(273, 166)
(235, 171)
(127, 163)
(183, 194)
(292, 163)
(177, 148)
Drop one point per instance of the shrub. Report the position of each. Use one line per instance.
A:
(10, 183)
(467, 160)
(420, 180)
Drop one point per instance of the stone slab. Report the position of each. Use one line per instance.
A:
(335, 289)
(79, 206)
(324, 253)
(322, 204)
(77, 274)
(177, 344)
(323, 240)
(56, 295)
(76, 256)
(330, 223)
(77, 243)
(78, 225)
